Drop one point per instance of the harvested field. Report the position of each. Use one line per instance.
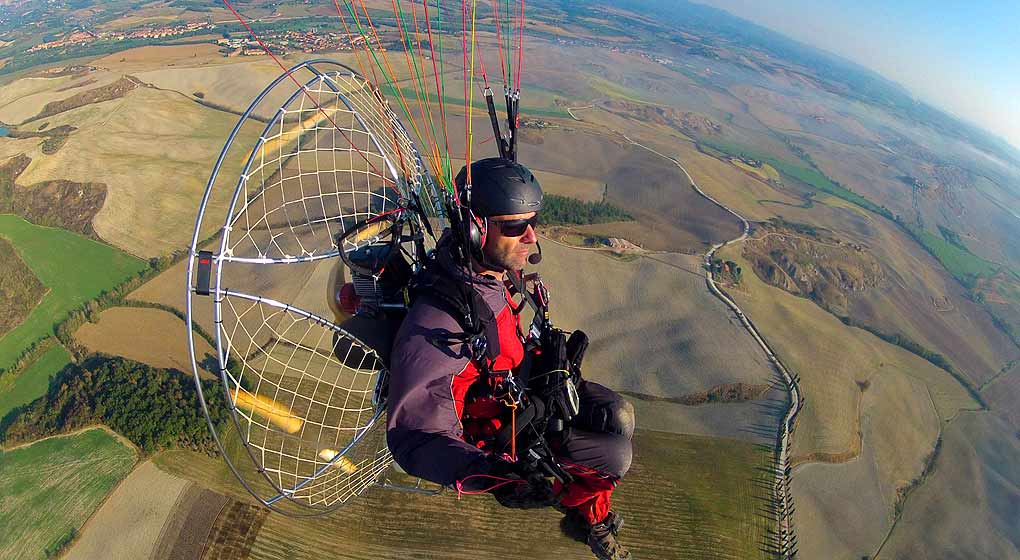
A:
(189, 529)
(109, 92)
(59, 203)
(306, 285)
(20, 290)
(719, 179)
(25, 98)
(32, 381)
(130, 521)
(844, 511)
(153, 150)
(225, 83)
(668, 214)
(580, 188)
(969, 506)
(654, 327)
(831, 358)
(684, 497)
(1003, 393)
(150, 336)
(234, 531)
(156, 56)
(755, 421)
(52, 486)
(74, 268)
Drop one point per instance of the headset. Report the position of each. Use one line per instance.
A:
(474, 229)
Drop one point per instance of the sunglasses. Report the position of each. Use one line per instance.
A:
(515, 228)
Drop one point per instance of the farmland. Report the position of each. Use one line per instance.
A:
(75, 270)
(20, 290)
(903, 363)
(685, 497)
(129, 523)
(52, 486)
(150, 336)
(23, 387)
(839, 366)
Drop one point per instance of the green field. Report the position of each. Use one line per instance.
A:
(685, 497)
(74, 268)
(961, 263)
(32, 381)
(806, 175)
(51, 487)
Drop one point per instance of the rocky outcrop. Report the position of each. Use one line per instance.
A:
(685, 121)
(812, 263)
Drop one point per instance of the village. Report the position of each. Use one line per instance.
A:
(306, 41)
(85, 36)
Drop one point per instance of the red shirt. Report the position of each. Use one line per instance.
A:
(482, 414)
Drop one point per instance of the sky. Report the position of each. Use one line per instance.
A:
(961, 56)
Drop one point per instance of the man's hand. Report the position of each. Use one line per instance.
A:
(526, 490)
(534, 491)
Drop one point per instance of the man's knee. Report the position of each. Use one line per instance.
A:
(613, 417)
(618, 457)
(624, 419)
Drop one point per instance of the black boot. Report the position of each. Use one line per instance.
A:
(602, 539)
(575, 526)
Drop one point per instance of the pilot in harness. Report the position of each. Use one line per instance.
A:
(475, 402)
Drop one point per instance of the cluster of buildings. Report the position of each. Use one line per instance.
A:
(303, 41)
(84, 36)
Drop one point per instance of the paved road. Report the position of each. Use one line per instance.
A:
(784, 502)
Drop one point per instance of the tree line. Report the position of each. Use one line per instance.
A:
(562, 210)
(155, 408)
(912, 346)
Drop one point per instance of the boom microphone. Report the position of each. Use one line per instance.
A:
(536, 258)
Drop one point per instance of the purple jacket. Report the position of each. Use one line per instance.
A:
(423, 430)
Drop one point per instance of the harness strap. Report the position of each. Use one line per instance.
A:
(468, 307)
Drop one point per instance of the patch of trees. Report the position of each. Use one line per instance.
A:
(1002, 324)
(952, 237)
(55, 548)
(903, 492)
(154, 408)
(727, 271)
(803, 229)
(194, 5)
(562, 210)
(20, 290)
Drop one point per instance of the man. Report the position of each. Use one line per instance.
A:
(442, 407)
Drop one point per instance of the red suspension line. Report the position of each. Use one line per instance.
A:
(350, 39)
(499, 41)
(386, 181)
(520, 48)
(435, 74)
(467, 112)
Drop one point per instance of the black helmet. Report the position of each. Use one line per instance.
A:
(499, 187)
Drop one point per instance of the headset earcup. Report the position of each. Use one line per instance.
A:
(483, 231)
(475, 232)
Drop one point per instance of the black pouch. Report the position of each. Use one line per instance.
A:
(577, 345)
(552, 376)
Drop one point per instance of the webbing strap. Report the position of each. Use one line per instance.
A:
(469, 309)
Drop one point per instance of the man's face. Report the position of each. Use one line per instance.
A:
(509, 251)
